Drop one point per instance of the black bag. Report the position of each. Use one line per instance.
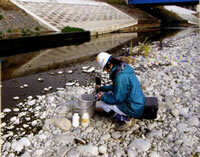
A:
(150, 108)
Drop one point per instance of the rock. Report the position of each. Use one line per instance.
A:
(154, 133)
(89, 129)
(135, 127)
(25, 142)
(21, 114)
(116, 135)
(63, 110)
(88, 150)
(60, 72)
(38, 108)
(16, 146)
(175, 112)
(7, 110)
(16, 109)
(103, 149)
(13, 119)
(140, 145)
(193, 121)
(25, 125)
(63, 123)
(38, 153)
(11, 155)
(151, 125)
(184, 112)
(105, 137)
(92, 69)
(119, 152)
(32, 102)
(42, 137)
(3, 124)
(85, 67)
(154, 154)
(16, 98)
(73, 153)
(25, 85)
(69, 84)
(26, 154)
(34, 123)
(64, 139)
(69, 71)
(131, 153)
(40, 79)
(182, 127)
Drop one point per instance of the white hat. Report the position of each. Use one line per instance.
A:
(102, 59)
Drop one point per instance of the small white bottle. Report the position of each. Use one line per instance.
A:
(85, 119)
(75, 120)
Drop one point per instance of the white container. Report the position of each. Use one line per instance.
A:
(85, 120)
(75, 120)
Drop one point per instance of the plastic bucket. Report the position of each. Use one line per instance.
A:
(87, 104)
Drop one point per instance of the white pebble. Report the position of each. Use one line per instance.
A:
(16, 109)
(70, 84)
(85, 67)
(40, 79)
(25, 125)
(6, 110)
(70, 72)
(46, 89)
(25, 85)
(34, 123)
(13, 119)
(22, 114)
(16, 98)
(60, 72)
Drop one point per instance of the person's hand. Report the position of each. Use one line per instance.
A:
(97, 88)
(99, 95)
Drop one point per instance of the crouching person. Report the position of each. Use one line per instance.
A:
(124, 97)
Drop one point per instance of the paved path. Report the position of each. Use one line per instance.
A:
(97, 17)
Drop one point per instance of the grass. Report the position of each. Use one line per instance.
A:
(1, 34)
(1, 17)
(72, 29)
(26, 32)
(37, 28)
(9, 30)
(145, 47)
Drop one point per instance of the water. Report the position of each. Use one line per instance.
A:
(17, 71)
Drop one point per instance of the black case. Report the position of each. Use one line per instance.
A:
(150, 109)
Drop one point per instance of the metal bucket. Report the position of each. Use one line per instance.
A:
(86, 104)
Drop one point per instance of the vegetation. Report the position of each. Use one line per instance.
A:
(1, 34)
(26, 32)
(72, 29)
(1, 17)
(145, 47)
(9, 30)
(7, 5)
(37, 28)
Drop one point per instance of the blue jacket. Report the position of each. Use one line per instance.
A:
(126, 91)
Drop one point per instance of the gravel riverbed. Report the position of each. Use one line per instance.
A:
(171, 74)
